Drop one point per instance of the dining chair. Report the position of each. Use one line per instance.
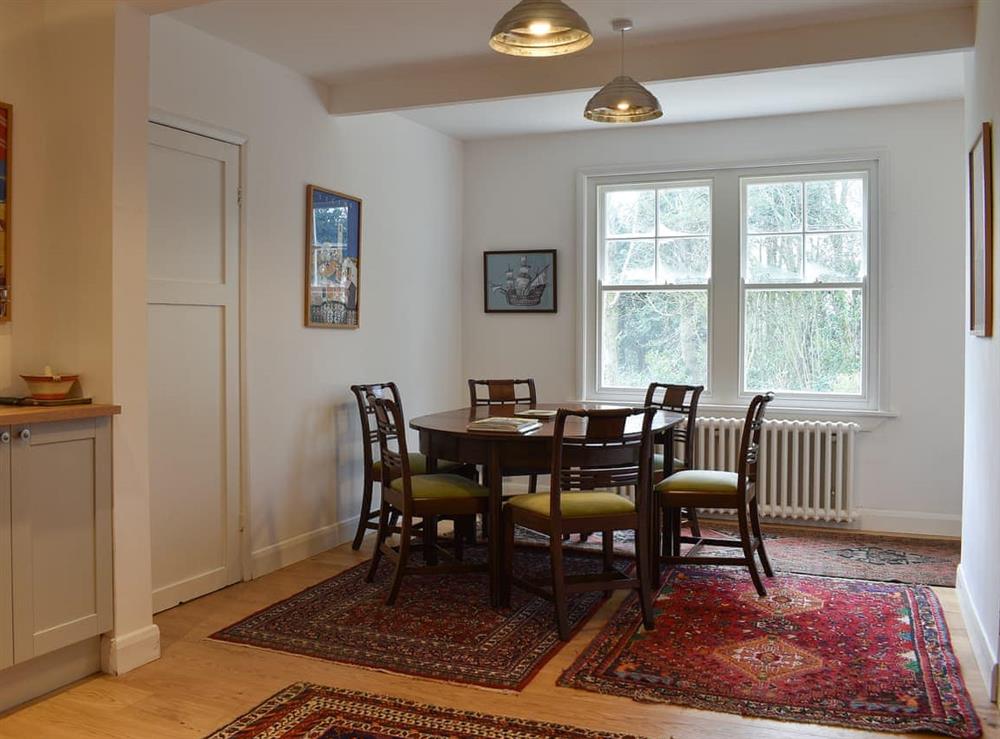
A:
(577, 504)
(724, 490)
(506, 392)
(681, 399)
(368, 520)
(429, 497)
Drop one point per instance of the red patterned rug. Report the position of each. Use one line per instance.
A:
(306, 710)
(813, 551)
(442, 626)
(854, 653)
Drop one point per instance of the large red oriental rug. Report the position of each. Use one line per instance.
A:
(307, 711)
(855, 653)
(442, 626)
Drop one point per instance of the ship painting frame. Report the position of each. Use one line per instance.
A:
(333, 259)
(529, 278)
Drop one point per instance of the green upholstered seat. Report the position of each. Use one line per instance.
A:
(658, 462)
(700, 481)
(575, 505)
(439, 485)
(418, 466)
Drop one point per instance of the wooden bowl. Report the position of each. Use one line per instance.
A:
(49, 387)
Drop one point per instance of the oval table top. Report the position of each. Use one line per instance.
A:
(456, 422)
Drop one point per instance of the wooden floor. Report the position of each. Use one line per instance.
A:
(199, 685)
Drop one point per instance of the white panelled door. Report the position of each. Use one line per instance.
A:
(194, 399)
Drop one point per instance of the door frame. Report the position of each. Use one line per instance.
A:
(200, 128)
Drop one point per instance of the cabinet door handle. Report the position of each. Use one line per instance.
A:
(25, 434)
(5, 437)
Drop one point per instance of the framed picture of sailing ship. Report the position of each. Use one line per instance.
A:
(333, 259)
(519, 281)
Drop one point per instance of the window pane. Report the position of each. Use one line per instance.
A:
(684, 261)
(835, 205)
(774, 207)
(803, 341)
(661, 336)
(834, 257)
(685, 211)
(774, 259)
(629, 262)
(630, 212)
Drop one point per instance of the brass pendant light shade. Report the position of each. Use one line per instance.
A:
(540, 28)
(622, 100)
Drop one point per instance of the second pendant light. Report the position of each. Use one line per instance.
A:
(622, 100)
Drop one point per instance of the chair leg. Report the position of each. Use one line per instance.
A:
(665, 537)
(692, 517)
(559, 587)
(366, 513)
(380, 536)
(741, 514)
(646, 581)
(533, 483)
(675, 532)
(404, 555)
(430, 540)
(755, 527)
(507, 563)
(458, 536)
(608, 550)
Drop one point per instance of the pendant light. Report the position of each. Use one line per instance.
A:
(622, 100)
(540, 28)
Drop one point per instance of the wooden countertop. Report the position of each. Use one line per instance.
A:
(14, 415)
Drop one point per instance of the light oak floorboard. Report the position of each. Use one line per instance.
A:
(199, 685)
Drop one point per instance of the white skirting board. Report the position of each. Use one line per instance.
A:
(125, 652)
(986, 658)
(49, 672)
(283, 553)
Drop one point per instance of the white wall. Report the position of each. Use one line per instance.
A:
(979, 584)
(303, 441)
(520, 193)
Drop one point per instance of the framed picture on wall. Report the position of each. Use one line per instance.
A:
(981, 233)
(333, 259)
(519, 281)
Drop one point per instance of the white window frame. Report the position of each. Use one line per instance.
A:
(724, 391)
(706, 287)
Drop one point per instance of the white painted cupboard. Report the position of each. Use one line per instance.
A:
(55, 530)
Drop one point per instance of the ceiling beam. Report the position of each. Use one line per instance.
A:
(424, 85)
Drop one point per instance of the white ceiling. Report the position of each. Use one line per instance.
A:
(807, 89)
(334, 40)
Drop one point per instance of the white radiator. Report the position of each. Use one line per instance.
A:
(805, 468)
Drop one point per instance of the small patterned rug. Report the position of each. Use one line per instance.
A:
(854, 653)
(812, 551)
(304, 710)
(442, 626)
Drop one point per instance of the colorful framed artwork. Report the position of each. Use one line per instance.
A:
(333, 259)
(981, 234)
(6, 141)
(519, 281)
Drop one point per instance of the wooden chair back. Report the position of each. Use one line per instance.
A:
(628, 458)
(369, 434)
(681, 399)
(502, 392)
(390, 429)
(750, 440)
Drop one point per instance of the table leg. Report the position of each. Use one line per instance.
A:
(430, 524)
(495, 543)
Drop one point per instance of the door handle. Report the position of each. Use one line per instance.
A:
(25, 434)
(5, 437)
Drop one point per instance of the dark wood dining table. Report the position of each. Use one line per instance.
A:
(446, 436)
